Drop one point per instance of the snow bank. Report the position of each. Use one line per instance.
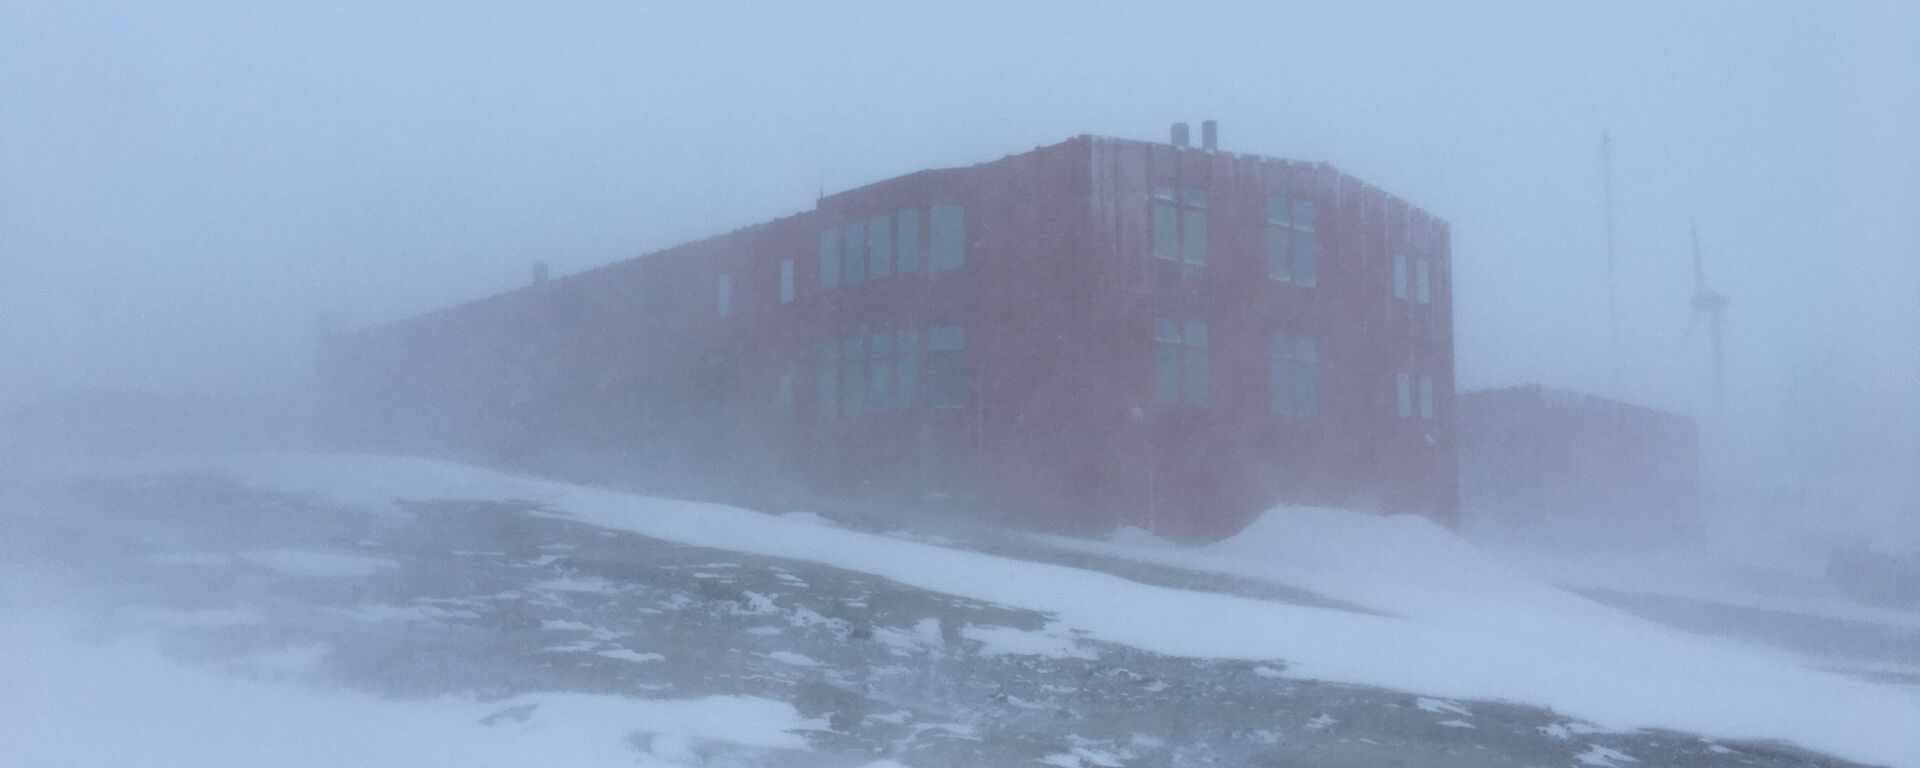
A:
(67, 704)
(1404, 565)
(1719, 575)
(1460, 625)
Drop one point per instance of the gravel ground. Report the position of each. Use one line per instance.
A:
(493, 598)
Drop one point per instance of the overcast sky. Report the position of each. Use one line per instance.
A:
(186, 188)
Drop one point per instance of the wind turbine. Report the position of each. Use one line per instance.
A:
(1713, 304)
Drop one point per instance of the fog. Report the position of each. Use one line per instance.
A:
(190, 194)
(189, 191)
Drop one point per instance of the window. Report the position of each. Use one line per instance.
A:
(907, 240)
(1303, 214)
(946, 234)
(880, 372)
(1179, 361)
(946, 366)
(1294, 374)
(853, 375)
(786, 281)
(880, 246)
(1292, 247)
(826, 378)
(1399, 276)
(1166, 231)
(723, 291)
(1422, 290)
(1292, 256)
(906, 361)
(1166, 360)
(783, 392)
(829, 258)
(1426, 397)
(853, 253)
(1404, 390)
(1193, 226)
(1180, 224)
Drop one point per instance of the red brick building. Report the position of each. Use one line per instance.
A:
(1582, 469)
(1095, 333)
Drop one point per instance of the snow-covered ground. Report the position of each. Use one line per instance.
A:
(72, 703)
(1459, 624)
(1435, 617)
(1508, 631)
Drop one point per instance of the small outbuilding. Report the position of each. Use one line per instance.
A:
(1564, 466)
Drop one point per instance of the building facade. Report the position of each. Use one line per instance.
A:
(1095, 333)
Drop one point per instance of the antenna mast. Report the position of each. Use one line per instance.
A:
(1613, 303)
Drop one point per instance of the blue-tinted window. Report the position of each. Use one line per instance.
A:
(723, 295)
(1306, 258)
(826, 378)
(906, 358)
(853, 375)
(1422, 289)
(1166, 232)
(1193, 388)
(1308, 359)
(1280, 373)
(1166, 329)
(1403, 394)
(1180, 361)
(1166, 373)
(1292, 248)
(946, 337)
(946, 234)
(853, 252)
(907, 240)
(1399, 276)
(880, 246)
(880, 372)
(1280, 210)
(829, 258)
(1193, 236)
(946, 366)
(786, 280)
(1293, 374)
(1180, 225)
(1279, 253)
(1426, 396)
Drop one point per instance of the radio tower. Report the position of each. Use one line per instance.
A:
(1613, 302)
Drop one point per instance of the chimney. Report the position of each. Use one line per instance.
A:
(1209, 135)
(1180, 134)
